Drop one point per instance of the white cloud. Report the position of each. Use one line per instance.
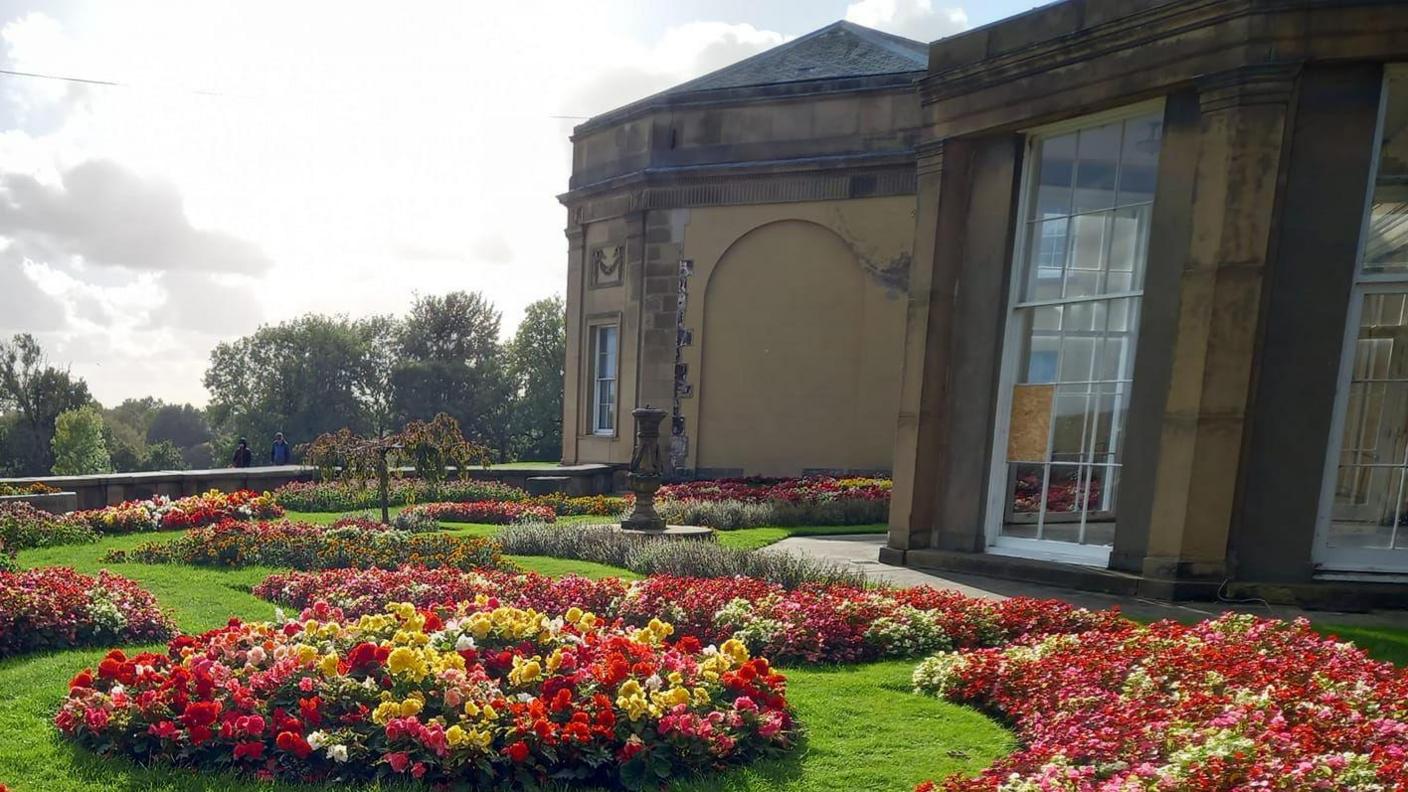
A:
(275, 158)
(915, 19)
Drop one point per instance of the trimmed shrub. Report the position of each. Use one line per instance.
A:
(651, 555)
(23, 526)
(728, 515)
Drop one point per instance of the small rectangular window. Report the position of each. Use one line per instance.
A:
(604, 355)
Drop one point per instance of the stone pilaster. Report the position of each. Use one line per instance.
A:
(1242, 142)
(572, 366)
(916, 453)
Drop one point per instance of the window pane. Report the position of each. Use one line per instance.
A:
(1139, 159)
(1097, 165)
(1069, 396)
(1370, 507)
(1386, 241)
(1057, 156)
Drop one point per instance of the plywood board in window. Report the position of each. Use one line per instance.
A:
(1030, 426)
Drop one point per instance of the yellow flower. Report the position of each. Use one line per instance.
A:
(736, 651)
(410, 707)
(490, 713)
(404, 661)
(471, 709)
(328, 665)
(588, 621)
(554, 661)
(307, 653)
(456, 736)
(701, 697)
(524, 671)
(573, 615)
(385, 711)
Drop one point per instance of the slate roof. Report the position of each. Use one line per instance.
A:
(841, 49)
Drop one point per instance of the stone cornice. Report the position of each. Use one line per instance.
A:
(656, 191)
(901, 82)
(1246, 86)
(1151, 26)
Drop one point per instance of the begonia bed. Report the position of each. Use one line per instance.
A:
(479, 693)
(58, 608)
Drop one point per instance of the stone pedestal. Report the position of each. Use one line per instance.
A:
(644, 480)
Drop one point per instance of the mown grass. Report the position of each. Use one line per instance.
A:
(865, 729)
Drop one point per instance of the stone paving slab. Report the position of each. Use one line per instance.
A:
(863, 551)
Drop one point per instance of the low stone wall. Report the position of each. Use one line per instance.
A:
(53, 502)
(107, 489)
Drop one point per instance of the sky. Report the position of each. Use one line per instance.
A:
(261, 160)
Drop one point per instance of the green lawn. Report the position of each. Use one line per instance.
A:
(865, 730)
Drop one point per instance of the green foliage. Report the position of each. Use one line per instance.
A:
(164, 455)
(450, 361)
(304, 377)
(657, 555)
(78, 443)
(434, 447)
(181, 425)
(536, 356)
(36, 393)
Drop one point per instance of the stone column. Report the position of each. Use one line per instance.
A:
(916, 452)
(572, 420)
(1241, 147)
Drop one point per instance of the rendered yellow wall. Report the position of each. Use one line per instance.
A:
(798, 315)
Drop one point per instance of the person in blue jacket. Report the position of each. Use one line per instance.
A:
(281, 454)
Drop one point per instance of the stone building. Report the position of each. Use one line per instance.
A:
(739, 252)
(1159, 302)
(1118, 289)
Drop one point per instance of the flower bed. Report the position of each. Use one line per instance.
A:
(807, 489)
(483, 695)
(22, 526)
(32, 488)
(587, 505)
(164, 514)
(336, 496)
(490, 512)
(370, 590)
(743, 503)
(58, 608)
(1233, 703)
(307, 546)
(811, 624)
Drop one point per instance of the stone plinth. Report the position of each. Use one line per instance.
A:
(672, 532)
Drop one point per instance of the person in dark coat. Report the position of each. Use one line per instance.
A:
(243, 456)
(281, 453)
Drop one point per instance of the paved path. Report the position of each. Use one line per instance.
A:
(863, 551)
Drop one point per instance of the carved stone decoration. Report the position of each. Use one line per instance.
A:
(646, 471)
(606, 264)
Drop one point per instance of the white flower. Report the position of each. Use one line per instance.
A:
(316, 740)
(337, 753)
(465, 642)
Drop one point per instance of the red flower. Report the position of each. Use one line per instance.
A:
(250, 750)
(518, 752)
(83, 679)
(399, 761)
(201, 713)
(293, 743)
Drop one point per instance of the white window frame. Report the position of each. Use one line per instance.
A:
(996, 544)
(1333, 562)
(598, 331)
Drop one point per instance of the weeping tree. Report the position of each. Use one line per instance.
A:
(431, 448)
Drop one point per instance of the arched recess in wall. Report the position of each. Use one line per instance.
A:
(784, 383)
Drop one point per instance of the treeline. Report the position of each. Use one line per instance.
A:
(304, 377)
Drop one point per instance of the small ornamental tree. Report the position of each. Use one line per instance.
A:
(78, 443)
(433, 447)
(429, 447)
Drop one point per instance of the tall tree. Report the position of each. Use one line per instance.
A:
(78, 443)
(302, 377)
(179, 424)
(451, 362)
(36, 393)
(536, 355)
